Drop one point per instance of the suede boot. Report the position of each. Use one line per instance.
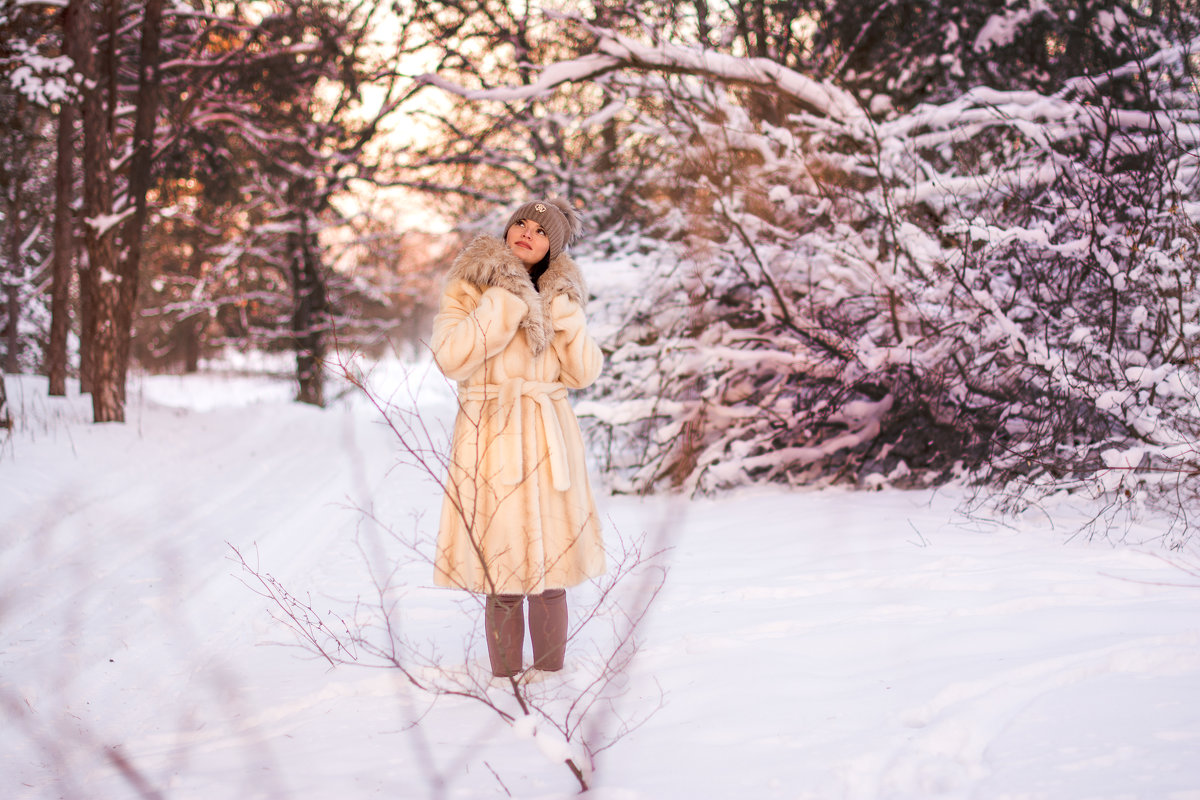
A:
(504, 628)
(548, 629)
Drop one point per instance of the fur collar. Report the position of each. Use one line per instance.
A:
(488, 262)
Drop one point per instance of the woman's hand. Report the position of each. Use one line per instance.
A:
(472, 326)
(579, 357)
(566, 314)
(500, 301)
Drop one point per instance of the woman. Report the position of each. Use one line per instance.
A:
(518, 520)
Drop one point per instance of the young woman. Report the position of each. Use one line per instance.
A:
(518, 520)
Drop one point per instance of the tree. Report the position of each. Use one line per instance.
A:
(64, 251)
(5, 418)
(475, 156)
(33, 83)
(113, 223)
(274, 137)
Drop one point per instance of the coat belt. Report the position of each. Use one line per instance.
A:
(509, 393)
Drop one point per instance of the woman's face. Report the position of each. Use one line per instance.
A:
(528, 241)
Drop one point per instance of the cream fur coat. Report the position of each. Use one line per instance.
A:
(518, 515)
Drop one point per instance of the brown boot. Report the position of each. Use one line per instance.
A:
(548, 629)
(504, 629)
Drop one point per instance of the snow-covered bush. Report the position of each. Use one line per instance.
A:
(999, 283)
(977, 259)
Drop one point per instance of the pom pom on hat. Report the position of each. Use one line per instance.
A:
(556, 216)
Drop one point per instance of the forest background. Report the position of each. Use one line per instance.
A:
(878, 243)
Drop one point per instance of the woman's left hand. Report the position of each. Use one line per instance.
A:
(567, 314)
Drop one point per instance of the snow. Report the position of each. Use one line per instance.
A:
(38, 78)
(808, 644)
(106, 222)
(565, 72)
(1001, 29)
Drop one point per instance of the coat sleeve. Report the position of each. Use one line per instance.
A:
(578, 354)
(472, 326)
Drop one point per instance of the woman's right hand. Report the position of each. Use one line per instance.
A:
(471, 327)
(496, 300)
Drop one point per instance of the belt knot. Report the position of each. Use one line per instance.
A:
(508, 394)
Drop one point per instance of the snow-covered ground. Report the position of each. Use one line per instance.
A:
(820, 644)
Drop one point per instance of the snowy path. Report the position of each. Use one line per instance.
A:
(810, 645)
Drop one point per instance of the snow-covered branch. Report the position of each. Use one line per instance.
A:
(618, 52)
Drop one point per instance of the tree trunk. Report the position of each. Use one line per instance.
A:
(5, 419)
(309, 318)
(193, 326)
(64, 253)
(78, 37)
(191, 345)
(12, 284)
(12, 361)
(310, 314)
(110, 288)
(87, 319)
(140, 177)
(101, 284)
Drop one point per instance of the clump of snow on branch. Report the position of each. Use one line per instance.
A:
(40, 79)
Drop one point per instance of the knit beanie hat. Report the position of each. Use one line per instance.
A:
(556, 216)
